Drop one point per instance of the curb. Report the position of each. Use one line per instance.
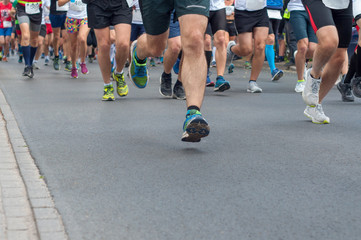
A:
(26, 205)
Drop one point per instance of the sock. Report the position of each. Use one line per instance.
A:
(270, 55)
(358, 61)
(302, 80)
(140, 61)
(281, 58)
(26, 53)
(214, 53)
(252, 80)
(32, 54)
(193, 108)
(208, 58)
(351, 69)
(166, 75)
(178, 83)
(20, 49)
(108, 84)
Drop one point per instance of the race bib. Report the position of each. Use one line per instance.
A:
(137, 16)
(63, 8)
(229, 10)
(274, 14)
(130, 3)
(77, 6)
(7, 24)
(32, 8)
(255, 4)
(336, 4)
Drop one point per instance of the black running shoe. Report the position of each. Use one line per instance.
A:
(178, 91)
(345, 90)
(165, 88)
(28, 71)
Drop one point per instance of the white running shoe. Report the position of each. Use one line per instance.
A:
(310, 92)
(230, 54)
(300, 86)
(253, 87)
(316, 114)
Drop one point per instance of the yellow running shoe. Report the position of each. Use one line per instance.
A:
(122, 87)
(108, 93)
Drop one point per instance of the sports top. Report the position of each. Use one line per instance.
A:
(215, 5)
(250, 5)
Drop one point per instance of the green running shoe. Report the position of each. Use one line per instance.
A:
(138, 72)
(56, 64)
(122, 87)
(68, 66)
(108, 93)
(195, 127)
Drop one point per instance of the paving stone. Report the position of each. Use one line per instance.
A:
(45, 213)
(49, 225)
(13, 192)
(53, 236)
(41, 202)
(17, 223)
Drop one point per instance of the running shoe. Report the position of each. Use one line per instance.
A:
(300, 86)
(74, 72)
(12, 52)
(65, 59)
(28, 71)
(90, 59)
(46, 62)
(176, 66)
(1, 55)
(247, 65)
(178, 91)
(5, 59)
(356, 86)
(213, 63)
(209, 82)
(165, 88)
(138, 72)
(276, 74)
(253, 87)
(346, 93)
(20, 60)
(122, 87)
(312, 87)
(230, 54)
(221, 84)
(152, 62)
(36, 66)
(108, 93)
(68, 66)
(316, 114)
(195, 127)
(230, 68)
(56, 64)
(84, 69)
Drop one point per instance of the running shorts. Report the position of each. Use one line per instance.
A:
(302, 26)
(34, 20)
(137, 30)
(209, 30)
(156, 13)
(42, 30)
(246, 21)
(274, 24)
(57, 21)
(231, 28)
(109, 16)
(321, 16)
(174, 29)
(217, 20)
(6, 31)
(73, 24)
(49, 29)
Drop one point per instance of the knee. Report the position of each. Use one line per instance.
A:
(193, 43)
(259, 47)
(329, 42)
(220, 42)
(104, 44)
(174, 48)
(82, 39)
(122, 46)
(156, 50)
(302, 49)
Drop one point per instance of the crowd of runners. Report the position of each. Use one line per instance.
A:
(189, 37)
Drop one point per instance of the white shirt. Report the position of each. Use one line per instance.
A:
(215, 5)
(77, 10)
(336, 4)
(46, 11)
(356, 7)
(295, 5)
(250, 5)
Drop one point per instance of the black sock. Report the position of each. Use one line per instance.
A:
(193, 108)
(208, 58)
(351, 69)
(358, 61)
(178, 83)
(167, 75)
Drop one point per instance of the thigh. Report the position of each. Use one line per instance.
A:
(122, 33)
(245, 40)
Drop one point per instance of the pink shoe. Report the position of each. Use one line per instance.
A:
(74, 72)
(84, 69)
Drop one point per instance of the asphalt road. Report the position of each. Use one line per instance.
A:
(118, 170)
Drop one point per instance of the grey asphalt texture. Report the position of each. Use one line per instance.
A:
(119, 170)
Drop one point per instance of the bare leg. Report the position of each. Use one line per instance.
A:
(103, 38)
(122, 32)
(171, 54)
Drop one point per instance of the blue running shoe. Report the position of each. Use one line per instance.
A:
(276, 74)
(230, 68)
(195, 127)
(176, 66)
(221, 85)
(138, 72)
(209, 82)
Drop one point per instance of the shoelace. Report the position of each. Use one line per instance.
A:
(315, 86)
(141, 71)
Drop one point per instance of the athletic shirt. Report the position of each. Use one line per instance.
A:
(77, 10)
(250, 5)
(356, 7)
(5, 18)
(295, 5)
(137, 16)
(46, 11)
(56, 10)
(216, 5)
(337, 4)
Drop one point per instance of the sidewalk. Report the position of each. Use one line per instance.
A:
(27, 210)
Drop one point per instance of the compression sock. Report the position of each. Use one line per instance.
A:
(358, 61)
(208, 58)
(32, 54)
(270, 55)
(351, 69)
(26, 53)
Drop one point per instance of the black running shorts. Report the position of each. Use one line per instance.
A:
(156, 13)
(321, 16)
(246, 21)
(217, 20)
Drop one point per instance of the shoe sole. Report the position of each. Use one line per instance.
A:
(257, 91)
(179, 98)
(160, 90)
(210, 84)
(277, 76)
(223, 87)
(196, 130)
(130, 67)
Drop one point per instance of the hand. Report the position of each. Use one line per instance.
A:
(12, 12)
